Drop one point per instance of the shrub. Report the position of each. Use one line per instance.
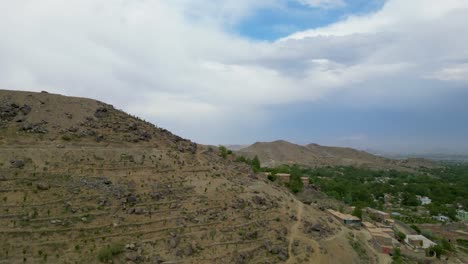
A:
(272, 177)
(396, 257)
(256, 166)
(400, 236)
(358, 211)
(67, 137)
(447, 245)
(437, 250)
(415, 228)
(223, 151)
(107, 253)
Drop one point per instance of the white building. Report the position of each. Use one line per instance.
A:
(418, 242)
(424, 200)
(441, 218)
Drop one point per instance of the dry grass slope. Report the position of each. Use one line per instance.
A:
(82, 182)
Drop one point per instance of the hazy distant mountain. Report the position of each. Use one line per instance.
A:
(236, 147)
(450, 157)
(282, 152)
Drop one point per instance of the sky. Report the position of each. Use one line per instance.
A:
(387, 75)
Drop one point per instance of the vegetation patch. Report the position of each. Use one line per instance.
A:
(110, 251)
(359, 248)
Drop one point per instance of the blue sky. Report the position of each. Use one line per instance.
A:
(385, 75)
(276, 22)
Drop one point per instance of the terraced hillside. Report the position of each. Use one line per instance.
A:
(82, 182)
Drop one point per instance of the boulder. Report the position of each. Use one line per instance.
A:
(132, 126)
(18, 164)
(7, 113)
(99, 138)
(26, 109)
(188, 251)
(131, 199)
(132, 256)
(73, 129)
(259, 200)
(34, 128)
(42, 186)
(140, 211)
(101, 112)
(173, 242)
(107, 182)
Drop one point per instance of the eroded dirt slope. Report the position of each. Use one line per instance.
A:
(83, 182)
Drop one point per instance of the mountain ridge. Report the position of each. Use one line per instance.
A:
(81, 182)
(281, 152)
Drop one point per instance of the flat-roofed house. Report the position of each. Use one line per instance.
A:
(424, 199)
(380, 216)
(418, 242)
(383, 240)
(462, 215)
(283, 177)
(346, 219)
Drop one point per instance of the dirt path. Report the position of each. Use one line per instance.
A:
(340, 233)
(295, 233)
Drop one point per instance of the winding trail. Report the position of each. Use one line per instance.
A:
(295, 231)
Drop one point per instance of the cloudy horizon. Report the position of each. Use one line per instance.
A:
(386, 75)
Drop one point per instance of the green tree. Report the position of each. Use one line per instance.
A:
(410, 199)
(272, 177)
(358, 211)
(396, 257)
(256, 164)
(223, 151)
(400, 236)
(295, 183)
(446, 245)
(437, 250)
(416, 228)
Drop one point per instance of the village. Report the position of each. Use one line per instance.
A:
(389, 232)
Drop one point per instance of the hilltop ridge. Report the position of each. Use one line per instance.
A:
(81, 181)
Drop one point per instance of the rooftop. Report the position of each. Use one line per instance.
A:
(343, 216)
(426, 242)
(375, 211)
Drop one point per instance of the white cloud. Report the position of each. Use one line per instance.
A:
(457, 72)
(394, 16)
(323, 3)
(174, 63)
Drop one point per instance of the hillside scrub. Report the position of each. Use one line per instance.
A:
(107, 253)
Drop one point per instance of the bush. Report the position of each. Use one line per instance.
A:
(67, 137)
(400, 236)
(295, 184)
(256, 164)
(462, 242)
(415, 228)
(243, 159)
(437, 250)
(107, 253)
(272, 177)
(223, 151)
(446, 245)
(396, 257)
(358, 212)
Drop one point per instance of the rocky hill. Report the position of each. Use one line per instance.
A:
(82, 182)
(281, 152)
